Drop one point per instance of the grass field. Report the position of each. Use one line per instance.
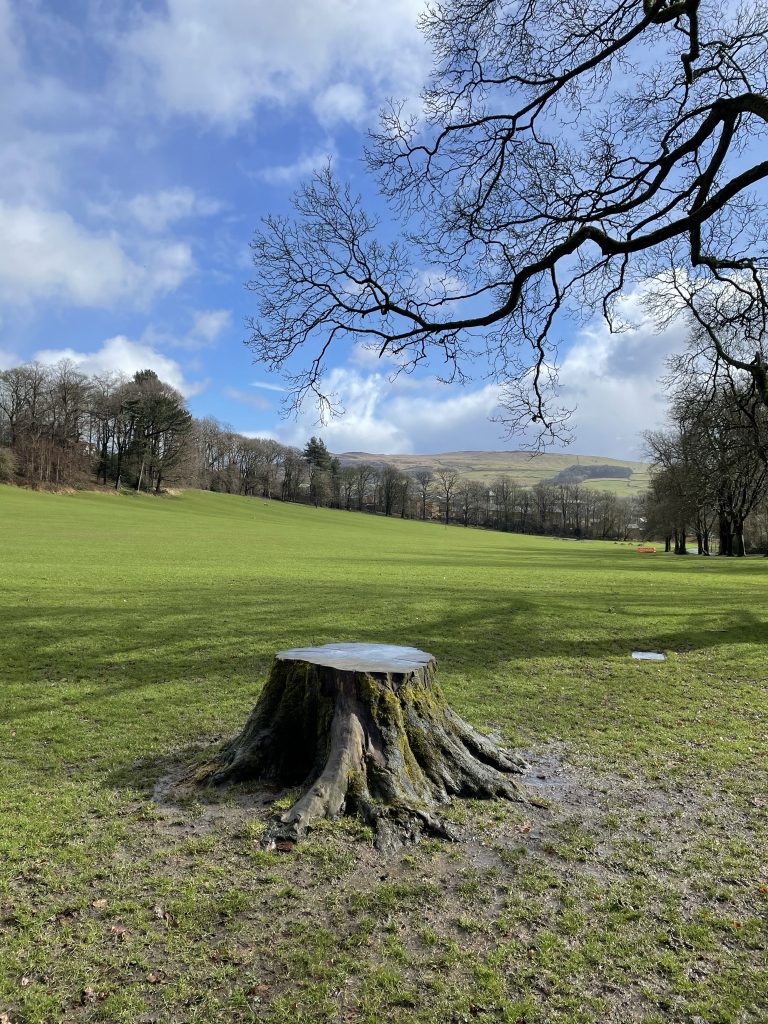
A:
(134, 629)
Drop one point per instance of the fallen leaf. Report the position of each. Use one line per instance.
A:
(285, 846)
(258, 990)
(525, 828)
(120, 931)
(99, 904)
(155, 977)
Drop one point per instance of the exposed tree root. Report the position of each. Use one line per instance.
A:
(377, 742)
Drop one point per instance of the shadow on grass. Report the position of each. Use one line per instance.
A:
(75, 655)
(144, 774)
(167, 779)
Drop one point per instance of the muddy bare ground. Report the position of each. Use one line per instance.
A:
(619, 900)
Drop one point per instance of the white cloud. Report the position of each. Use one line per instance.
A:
(8, 359)
(400, 416)
(288, 174)
(209, 324)
(246, 398)
(43, 121)
(221, 61)
(164, 265)
(155, 212)
(207, 327)
(47, 254)
(341, 102)
(120, 354)
(613, 379)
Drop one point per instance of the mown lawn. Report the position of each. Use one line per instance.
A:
(134, 629)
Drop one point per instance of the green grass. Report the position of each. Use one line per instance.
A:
(135, 629)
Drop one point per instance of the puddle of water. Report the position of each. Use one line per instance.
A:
(547, 775)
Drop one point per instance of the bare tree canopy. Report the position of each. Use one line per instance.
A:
(565, 152)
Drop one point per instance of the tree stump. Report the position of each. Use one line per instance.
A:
(363, 729)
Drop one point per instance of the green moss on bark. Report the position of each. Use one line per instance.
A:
(382, 745)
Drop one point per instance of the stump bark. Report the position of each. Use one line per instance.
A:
(363, 729)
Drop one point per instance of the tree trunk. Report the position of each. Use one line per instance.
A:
(726, 538)
(738, 546)
(363, 729)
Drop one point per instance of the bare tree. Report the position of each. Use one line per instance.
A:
(447, 480)
(365, 477)
(564, 150)
(424, 479)
(348, 480)
(389, 481)
(713, 462)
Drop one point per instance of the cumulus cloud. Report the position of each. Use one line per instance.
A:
(613, 380)
(221, 61)
(48, 132)
(47, 254)
(121, 355)
(400, 416)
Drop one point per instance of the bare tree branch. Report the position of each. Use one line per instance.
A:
(565, 149)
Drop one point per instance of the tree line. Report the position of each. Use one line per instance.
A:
(61, 427)
(563, 509)
(710, 479)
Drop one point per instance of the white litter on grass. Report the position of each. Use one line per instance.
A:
(648, 656)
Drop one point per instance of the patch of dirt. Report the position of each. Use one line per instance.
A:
(514, 873)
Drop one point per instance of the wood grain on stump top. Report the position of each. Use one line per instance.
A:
(386, 658)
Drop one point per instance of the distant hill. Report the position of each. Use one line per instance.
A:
(593, 471)
(578, 474)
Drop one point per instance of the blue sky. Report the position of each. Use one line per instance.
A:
(141, 143)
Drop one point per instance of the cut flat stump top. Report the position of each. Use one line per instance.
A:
(387, 658)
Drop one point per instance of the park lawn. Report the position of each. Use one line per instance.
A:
(136, 630)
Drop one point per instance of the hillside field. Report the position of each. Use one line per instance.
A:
(135, 630)
(524, 467)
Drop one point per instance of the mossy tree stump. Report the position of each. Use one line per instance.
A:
(363, 729)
